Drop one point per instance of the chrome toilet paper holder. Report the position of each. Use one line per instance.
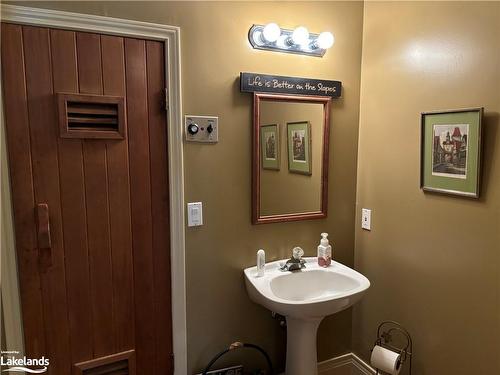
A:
(385, 332)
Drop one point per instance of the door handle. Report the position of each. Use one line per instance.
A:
(42, 210)
(43, 232)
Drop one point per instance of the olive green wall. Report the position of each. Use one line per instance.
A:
(433, 260)
(284, 192)
(215, 50)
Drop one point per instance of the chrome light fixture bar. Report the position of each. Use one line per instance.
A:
(272, 38)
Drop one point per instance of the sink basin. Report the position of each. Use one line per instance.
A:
(305, 297)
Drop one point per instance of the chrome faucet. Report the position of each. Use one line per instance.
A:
(295, 262)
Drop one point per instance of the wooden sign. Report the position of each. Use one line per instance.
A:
(253, 82)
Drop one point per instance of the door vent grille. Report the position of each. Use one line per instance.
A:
(116, 364)
(116, 368)
(97, 116)
(91, 116)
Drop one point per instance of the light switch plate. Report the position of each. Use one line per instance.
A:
(366, 219)
(195, 214)
(204, 129)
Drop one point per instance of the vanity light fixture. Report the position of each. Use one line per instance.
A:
(271, 37)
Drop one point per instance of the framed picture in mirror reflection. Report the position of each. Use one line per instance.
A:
(299, 147)
(270, 141)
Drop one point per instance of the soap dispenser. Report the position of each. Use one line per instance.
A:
(261, 262)
(324, 251)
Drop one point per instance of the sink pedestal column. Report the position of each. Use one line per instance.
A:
(301, 357)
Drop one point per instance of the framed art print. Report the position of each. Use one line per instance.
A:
(299, 147)
(270, 144)
(451, 151)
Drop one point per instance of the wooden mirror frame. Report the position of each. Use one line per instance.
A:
(322, 213)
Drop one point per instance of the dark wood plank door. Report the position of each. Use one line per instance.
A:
(96, 295)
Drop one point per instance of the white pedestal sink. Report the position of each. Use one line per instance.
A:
(305, 297)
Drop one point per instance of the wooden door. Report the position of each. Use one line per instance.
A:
(95, 295)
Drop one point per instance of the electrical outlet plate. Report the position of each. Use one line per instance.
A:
(366, 219)
(207, 128)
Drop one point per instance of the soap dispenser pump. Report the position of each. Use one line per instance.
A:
(324, 251)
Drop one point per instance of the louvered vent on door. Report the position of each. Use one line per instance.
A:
(91, 116)
(116, 368)
(116, 364)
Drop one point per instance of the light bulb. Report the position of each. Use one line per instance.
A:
(300, 35)
(271, 32)
(325, 40)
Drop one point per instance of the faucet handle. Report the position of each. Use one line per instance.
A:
(297, 253)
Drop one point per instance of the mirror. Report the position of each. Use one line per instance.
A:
(290, 157)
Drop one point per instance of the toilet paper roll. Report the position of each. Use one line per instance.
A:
(386, 360)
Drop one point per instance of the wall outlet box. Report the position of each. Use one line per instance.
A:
(366, 219)
(195, 214)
